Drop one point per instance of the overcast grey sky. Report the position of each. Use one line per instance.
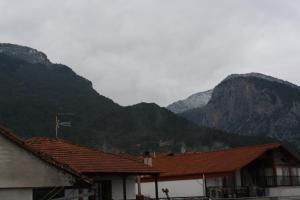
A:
(159, 50)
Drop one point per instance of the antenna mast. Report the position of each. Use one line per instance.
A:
(59, 124)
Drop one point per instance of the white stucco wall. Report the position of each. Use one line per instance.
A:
(16, 194)
(283, 191)
(177, 188)
(21, 169)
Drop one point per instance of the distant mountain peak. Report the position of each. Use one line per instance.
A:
(28, 54)
(201, 99)
(260, 76)
(197, 100)
(252, 104)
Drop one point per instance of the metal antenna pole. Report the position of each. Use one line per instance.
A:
(56, 125)
(61, 123)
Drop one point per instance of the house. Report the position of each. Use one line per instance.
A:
(262, 170)
(43, 168)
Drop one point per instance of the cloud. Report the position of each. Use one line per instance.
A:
(159, 50)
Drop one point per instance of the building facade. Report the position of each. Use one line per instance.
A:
(263, 170)
(43, 168)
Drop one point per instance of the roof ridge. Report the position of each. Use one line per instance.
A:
(220, 150)
(64, 141)
(64, 145)
(89, 148)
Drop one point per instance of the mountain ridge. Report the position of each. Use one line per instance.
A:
(34, 91)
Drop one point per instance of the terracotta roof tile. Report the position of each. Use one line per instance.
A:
(209, 162)
(88, 160)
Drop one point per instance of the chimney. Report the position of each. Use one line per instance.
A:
(147, 158)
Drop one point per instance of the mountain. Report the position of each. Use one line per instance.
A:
(197, 100)
(252, 104)
(25, 53)
(33, 90)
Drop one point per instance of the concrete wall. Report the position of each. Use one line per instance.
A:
(16, 194)
(177, 188)
(283, 191)
(21, 169)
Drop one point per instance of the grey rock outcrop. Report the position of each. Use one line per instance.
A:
(252, 104)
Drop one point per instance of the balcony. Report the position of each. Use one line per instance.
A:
(232, 192)
(273, 181)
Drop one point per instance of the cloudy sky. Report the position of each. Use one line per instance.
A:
(159, 50)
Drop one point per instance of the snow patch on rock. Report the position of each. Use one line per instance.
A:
(197, 100)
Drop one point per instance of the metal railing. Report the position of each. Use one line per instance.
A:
(269, 181)
(227, 192)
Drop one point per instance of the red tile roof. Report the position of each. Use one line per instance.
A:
(19, 142)
(88, 160)
(214, 162)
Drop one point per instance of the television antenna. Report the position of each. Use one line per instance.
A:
(59, 123)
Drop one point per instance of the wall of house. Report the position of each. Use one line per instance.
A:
(283, 191)
(21, 169)
(16, 194)
(177, 188)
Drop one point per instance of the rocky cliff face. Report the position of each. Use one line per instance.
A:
(252, 104)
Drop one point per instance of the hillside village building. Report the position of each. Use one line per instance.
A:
(43, 168)
(263, 170)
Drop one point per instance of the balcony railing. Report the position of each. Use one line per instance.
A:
(256, 190)
(269, 181)
(228, 191)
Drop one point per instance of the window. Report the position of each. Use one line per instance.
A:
(104, 190)
(269, 172)
(282, 171)
(228, 181)
(269, 178)
(283, 176)
(295, 173)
